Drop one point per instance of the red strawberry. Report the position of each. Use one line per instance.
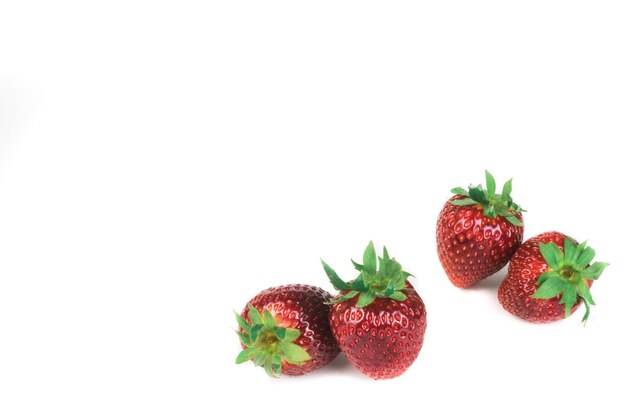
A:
(285, 329)
(549, 276)
(477, 232)
(382, 330)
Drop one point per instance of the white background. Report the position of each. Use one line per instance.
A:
(162, 162)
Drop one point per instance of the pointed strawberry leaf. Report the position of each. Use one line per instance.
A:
(268, 319)
(365, 299)
(359, 284)
(585, 257)
(594, 270)
(513, 220)
(280, 332)
(255, 316)
(463, 202)
(293, 353)
(584, 293)
(254, 332)
(357, 266)
(587, 311)
(398, 296)
(244, 356)
(570, 250)
(552, 287)
(552, 254)
(506, 190)
(369, 259)
(337, 282)
(245, 339)
(568, 298)
(291, 335)
(242, 323)
(548, 274)
(491, 184)
(478, 194)
(459, 191)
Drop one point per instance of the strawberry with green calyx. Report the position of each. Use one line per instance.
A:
(478, 231)
(549, 277)
(378, 318)
(285, 329)
(267, 344)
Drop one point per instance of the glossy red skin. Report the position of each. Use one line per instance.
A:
(300, 307)
(472, 247)
(384, 338)
(516, 291)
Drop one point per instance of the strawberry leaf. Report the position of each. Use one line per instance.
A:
(389, 290)
(594, 270)
(268, 319)
(244, 356)
(491, 184)
(570, 250)
(385, 253)
(513, 220)
(548, 274)
(398, 296)
(551, 287)
(293, 353)
(281, 332)
(369, 259)
(568, 298)
(245, 339)
(291, 335)
(255, 331)
(587, 311)
(552, 254)
(337, 282)
(584, 293)
(585, 257)
(254, 315)
(242, 323)
(463, 202)
(365, 299)
(357, 266)
(359, 284)
(478, 194)
(459, 191)
(506, 190)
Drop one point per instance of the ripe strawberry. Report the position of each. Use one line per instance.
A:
(382, 330)
(477, 232)
(548, 277)
(285, 329)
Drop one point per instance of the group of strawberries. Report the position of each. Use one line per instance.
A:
(378, 320)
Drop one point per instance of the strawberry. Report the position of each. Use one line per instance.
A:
(285, 329)
(477, 232)
(549, 276)
(378, 319)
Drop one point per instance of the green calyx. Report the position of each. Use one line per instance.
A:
(268, 344)
(493, 204)
(387, 280)
(567, 274)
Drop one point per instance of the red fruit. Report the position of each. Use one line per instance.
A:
(285, 329)
(382, 330)
(478, 232)
(548, 278)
